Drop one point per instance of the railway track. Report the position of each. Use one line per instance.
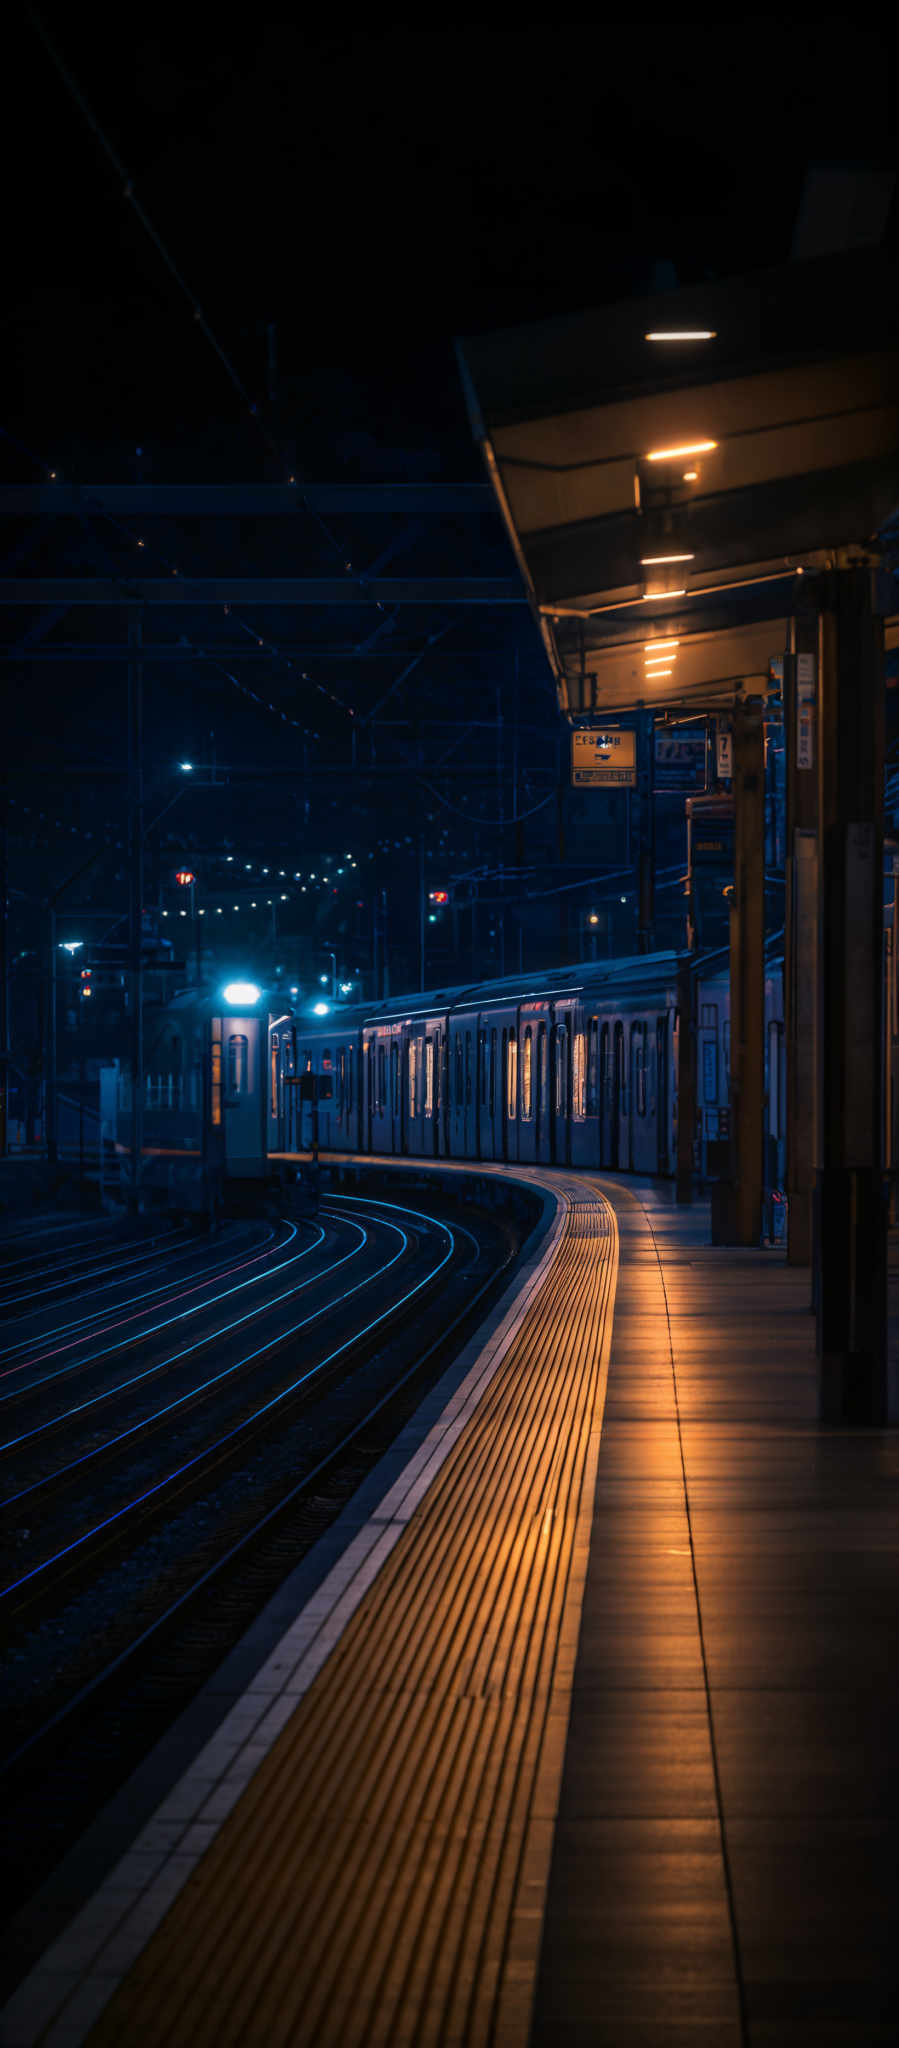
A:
(174, 1484)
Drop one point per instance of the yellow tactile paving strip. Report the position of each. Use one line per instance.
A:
(382, 1879)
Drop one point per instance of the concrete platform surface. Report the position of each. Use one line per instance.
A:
(725, 1865)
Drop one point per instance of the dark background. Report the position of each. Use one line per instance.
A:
(375, 192)
(350, 200)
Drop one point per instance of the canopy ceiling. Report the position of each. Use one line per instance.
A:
(763, 445)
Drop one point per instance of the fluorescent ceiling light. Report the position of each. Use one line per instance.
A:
(651, 561)
(648, 595)
(654, 647)
(687, 448)
(657, 673)
(681, 334)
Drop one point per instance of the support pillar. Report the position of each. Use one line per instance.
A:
(801, 930)
(851, 1221)
(646, 826)
(135, 902)
(686, 1084)
(747, 976)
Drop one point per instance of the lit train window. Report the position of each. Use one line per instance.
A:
(526, 1079)
(216, 1080)
(429, 1077)
(381, 1088)
(274, 1088)
(512, 1063)
(593, 1069)
(561, 1075)
(413, 1061)
(237, 1062)
(638, 1067)
(579, 1078)
(541, 1069)
(621, 1068)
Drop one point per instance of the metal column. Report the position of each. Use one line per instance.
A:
(646, 828)
(135, 902)
(850, 1237)
(686, 1083)
(801, 930)
(747, 976)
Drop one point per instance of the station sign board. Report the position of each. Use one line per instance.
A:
(805, 710)
(603, 757)
(724, 753)
(680, 753)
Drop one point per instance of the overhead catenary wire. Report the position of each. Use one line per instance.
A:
(199, 317)
(128, 192)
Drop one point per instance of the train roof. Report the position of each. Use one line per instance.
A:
(642, 970)
(639, 972)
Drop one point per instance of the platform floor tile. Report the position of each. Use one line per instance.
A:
(724, 1864)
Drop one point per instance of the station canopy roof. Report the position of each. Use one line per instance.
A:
(668, 467)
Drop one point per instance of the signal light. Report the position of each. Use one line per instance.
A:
(185, 876)
(438, 896)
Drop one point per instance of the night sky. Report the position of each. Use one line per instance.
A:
(369, 194)
(375, 192)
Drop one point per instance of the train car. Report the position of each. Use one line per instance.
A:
(576, 1067)
(205, 1109)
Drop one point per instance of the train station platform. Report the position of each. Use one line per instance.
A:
(588, 1736)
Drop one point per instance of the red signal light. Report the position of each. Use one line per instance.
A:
(185, 876)
(438, 896)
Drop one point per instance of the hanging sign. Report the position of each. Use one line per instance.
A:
(680, 757)
(603, 757)
(805, 711)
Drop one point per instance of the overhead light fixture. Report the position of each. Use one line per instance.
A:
(649, 595)
(654, 647)
(690, 476)
(681, 334)
(652, 561)
(658, 673)
(687, 448)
